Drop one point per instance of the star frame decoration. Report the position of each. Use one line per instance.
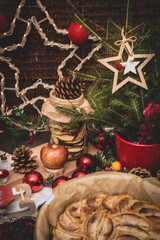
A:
(126, 46)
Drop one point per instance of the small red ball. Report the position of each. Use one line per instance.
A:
(77, 33)
(86, 162)
(3, 22)
(35, 180)
(59, 180)
(78, 173)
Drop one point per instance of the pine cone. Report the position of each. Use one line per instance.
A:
(23, 162)
(68, 88)
(141, 172)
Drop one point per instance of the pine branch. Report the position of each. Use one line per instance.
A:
(81, 75)
(142, 98)
(87, 26)
(135, 106)
(102, 40)
(132, 94)
(96, 107)
(107, 30)
(68, 111)
(120, 104)
(74, 122)
(114, 24)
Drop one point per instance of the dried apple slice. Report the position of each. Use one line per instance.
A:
(150, 211)
(131, 219)
(155, 219)
(109, 201)
(60, 235)
(66, 223)
(107, 229)
(126, 237)
(75, 209)
(155, 234)
(139, 204)
(92, 224)
(95, 200)
(133, 230)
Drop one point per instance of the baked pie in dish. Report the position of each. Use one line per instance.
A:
(106, 217)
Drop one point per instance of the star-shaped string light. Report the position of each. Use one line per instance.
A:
(129, 66)
(22, 94)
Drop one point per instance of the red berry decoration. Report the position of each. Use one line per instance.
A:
(78, 173)
(59, 180)
(86, 163)
(77, 33)
(3, 158)
(119, 66)
(35, 180)
(30, 140)
(3, 22)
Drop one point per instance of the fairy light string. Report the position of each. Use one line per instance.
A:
(22, 94)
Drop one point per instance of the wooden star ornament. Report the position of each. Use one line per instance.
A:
(130, 65)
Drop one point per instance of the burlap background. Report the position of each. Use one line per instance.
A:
(37, 61)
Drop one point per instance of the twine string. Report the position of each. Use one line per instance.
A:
(125, 40)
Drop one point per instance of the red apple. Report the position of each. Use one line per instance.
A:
(53, 155)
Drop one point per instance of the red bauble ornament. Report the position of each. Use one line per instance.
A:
(35, 180)
(77, 33)
(3, 22)
(104, 141)
(86, 162)
(78, 173)
(100, 139)
(59, 180)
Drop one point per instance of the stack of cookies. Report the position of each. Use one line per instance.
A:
(74, 139)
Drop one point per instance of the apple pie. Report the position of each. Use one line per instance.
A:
(103, 216)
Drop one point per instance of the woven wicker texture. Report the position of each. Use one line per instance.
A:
(38, 61)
